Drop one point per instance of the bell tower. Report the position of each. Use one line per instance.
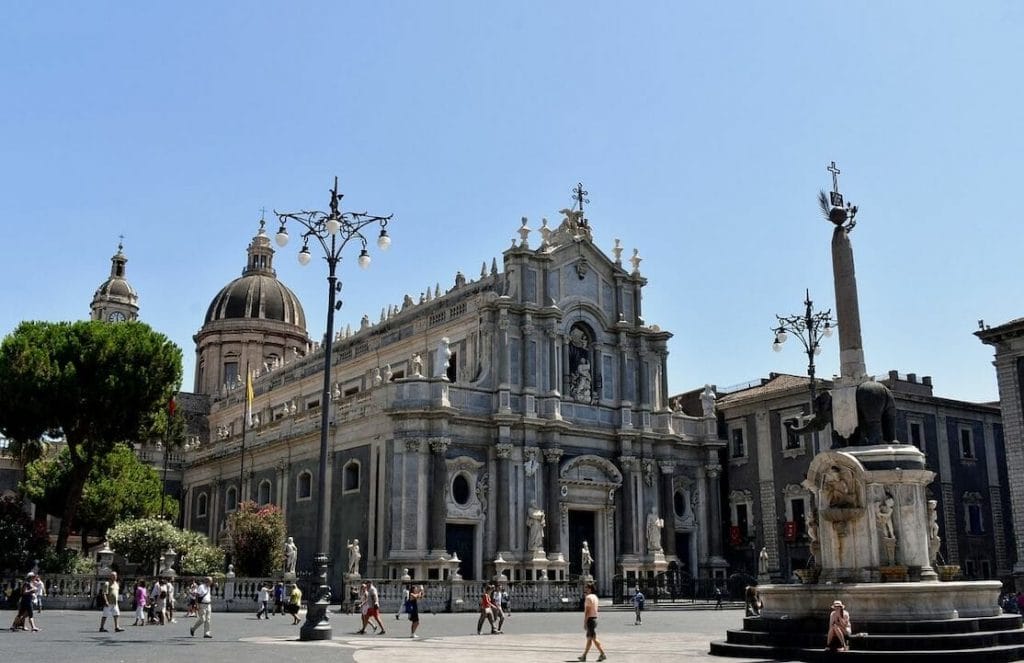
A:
(115, 300)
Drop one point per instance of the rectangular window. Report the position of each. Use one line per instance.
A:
(739, 447)
(969, 569)
(230, 372)
(986, 569)
(966, 443)
(742, 520)
(798, 509)
(607, 383)
(917, 434)
(974, 524)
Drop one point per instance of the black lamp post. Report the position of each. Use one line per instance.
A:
(810, 328)
(332, 230)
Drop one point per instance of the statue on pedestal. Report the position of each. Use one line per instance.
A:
(535, 521)
(885, 517)
(707, 401)
(654, 525)
(762, 562)
(586, 559)
(291, 554)
(353, 557)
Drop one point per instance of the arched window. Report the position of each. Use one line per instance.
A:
(263, 494)
(201, 505)
(350, 476)
(304, 486)
(231, 499)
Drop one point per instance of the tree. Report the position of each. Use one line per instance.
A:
(22, 541)
(257, 533)
(143, 541)
(92, 382)
(119, 487)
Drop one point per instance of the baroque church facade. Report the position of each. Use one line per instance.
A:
(494, 426)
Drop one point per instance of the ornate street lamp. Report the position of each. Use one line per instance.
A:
(810, 328)
(333, 231)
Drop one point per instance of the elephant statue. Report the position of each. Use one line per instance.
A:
(876, 417)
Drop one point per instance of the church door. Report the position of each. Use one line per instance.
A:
(461, 539)
(581, 528)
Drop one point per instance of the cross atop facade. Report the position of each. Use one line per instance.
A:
(580, 196)
(120, 242)
(835, 176)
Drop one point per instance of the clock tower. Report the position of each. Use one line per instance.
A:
(115, 300)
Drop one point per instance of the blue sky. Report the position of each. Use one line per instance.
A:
(701, 130)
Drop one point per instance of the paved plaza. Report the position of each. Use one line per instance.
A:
(666, 635)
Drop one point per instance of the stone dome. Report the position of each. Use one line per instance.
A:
(257, 294)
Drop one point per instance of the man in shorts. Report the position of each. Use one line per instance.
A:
(373, 611)
(590, 623)
(109, 593)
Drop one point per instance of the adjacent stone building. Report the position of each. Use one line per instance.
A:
(496, 424)
(765, 464)
(1008, 341)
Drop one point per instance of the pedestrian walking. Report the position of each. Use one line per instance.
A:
(279, 598)
(413, 609)
(294, 603)
(263, 601)
(25, 605)
(192, 606)
(499, 614)
(373, 612)
(404, 607)
(486, 611)
(590, 623)
(169, 588)
(140, 602)
(719, 595)
(364, 608)
(204, 606)
(39, 588)
(638, 606)
(110, 592)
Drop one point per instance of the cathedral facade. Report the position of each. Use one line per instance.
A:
(493, 426)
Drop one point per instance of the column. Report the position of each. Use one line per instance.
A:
(552, 335)
(502, 492)
(282, 488)
(552, 460)
(947, 496)
(628, 531)
(528, 353)
(714, 496)
(438, 489)
(668, 493)
(995, 500)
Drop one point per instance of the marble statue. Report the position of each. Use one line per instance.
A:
(885, 517)
(654, 525)
(838, 488)
(934, 541)
(291, 553)
(707, 401)
(444, 355)
(417, 365)
(812, 527)
(586, 559)
(353, 557)
(535, 521)
(762, 562)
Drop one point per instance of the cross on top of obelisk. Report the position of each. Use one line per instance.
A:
(835, 197)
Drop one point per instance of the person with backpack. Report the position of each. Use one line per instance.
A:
(638, 606)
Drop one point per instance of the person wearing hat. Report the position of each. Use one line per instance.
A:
(838, 628)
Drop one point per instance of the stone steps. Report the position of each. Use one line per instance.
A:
(997, 638)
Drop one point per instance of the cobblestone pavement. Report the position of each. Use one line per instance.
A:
(666, 635)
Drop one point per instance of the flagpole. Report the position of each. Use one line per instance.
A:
(245, 427)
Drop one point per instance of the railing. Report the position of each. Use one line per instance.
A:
(78, 592)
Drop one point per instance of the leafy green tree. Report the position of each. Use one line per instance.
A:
(143, 540)
(93, 382)
(257, 534)
(22, 541)
(119, 487)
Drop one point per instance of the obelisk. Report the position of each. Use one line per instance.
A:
(852, 371)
